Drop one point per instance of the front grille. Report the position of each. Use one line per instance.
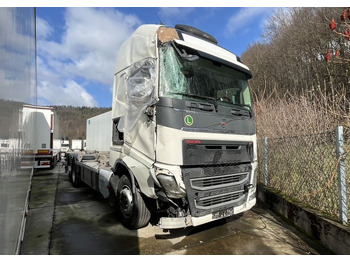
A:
(218, 200)
(215, 188)
(214, 182)
(207, 152)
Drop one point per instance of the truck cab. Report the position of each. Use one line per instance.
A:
(184, 132)
(64, 149)
(65, 145)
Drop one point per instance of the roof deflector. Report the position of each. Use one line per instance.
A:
(197, 33)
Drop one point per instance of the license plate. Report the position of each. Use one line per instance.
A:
(223, 213)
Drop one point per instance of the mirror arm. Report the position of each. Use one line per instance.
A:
(184, 55)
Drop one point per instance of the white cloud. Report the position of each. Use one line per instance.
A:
(43, 29)
(247, 16)
(69, 94)
(88, 48)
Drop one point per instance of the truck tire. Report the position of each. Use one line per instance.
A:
(132, 210)
(53, 163)
(112, 199)
(75, 176)
(68, 170)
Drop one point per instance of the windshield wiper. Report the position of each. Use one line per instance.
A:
(243, 105)
(240, 105)
(239, 112)
(198, 96)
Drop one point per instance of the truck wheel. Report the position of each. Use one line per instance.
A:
(132, 210)
(53, 163)
(75, 178)
(69, 172)
(112, 199)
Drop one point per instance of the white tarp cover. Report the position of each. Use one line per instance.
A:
(136, 76)
(139, 93)
(140, 45)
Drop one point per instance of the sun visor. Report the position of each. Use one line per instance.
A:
(212, 50)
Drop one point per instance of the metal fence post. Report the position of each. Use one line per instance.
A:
(266, 161)
(343, 207)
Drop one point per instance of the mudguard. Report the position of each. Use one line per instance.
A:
(140, 172)
(104, 178)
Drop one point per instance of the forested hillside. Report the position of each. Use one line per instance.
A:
(72, 120)
(301, 71)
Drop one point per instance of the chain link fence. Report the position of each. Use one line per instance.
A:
(305, 169)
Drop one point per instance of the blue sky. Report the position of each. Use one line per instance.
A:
(78, 47)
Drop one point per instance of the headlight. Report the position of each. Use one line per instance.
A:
(171, 188)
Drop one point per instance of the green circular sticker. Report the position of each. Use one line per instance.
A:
(188, 120)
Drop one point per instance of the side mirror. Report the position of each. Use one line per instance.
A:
(149, 113)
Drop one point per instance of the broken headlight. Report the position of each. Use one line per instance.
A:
(171, 188)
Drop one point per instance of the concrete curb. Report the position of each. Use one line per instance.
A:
(333, 235)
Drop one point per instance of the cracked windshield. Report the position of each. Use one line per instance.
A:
(201, 79)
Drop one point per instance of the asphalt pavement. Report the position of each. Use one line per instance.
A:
(78, 221)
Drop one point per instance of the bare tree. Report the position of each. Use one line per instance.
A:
(302, 60)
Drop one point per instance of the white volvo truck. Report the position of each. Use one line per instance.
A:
(184, 132)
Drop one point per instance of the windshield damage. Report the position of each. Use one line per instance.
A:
(201, 79)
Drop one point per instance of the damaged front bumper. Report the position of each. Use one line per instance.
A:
(183, 222)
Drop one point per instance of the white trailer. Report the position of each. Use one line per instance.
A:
(45, 123)
(57, 144)
(99, 132)
(77, 144)
(57, 147)
(184, 134)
